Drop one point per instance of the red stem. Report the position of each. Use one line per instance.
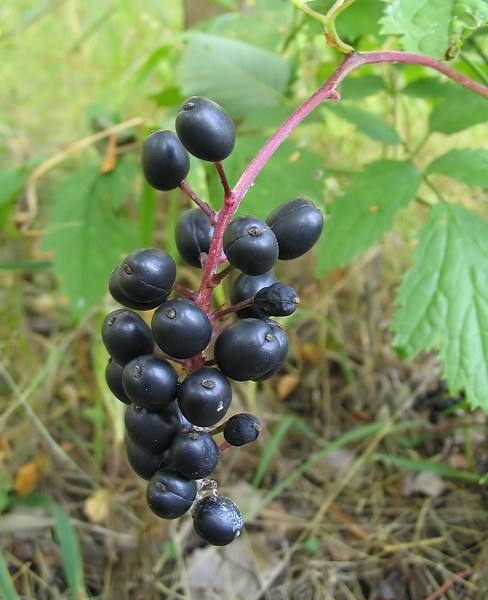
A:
(232, 198)
(208, 210)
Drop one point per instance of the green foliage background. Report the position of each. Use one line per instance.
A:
(402, 141)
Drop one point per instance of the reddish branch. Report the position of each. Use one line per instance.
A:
(233, 197)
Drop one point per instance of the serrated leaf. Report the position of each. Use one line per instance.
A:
(87, 236)
(367, 123)
(460, 108)
(468, 165)
(239, 76)
(366, 210)
(433, 27)
(443, 299)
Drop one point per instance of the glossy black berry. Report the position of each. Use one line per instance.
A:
(118, 294)
(246, 286)
(194, 454)
(169, 494)
(250, 245)
(217, 520)
(126, 335)
(181, 328)
(113, 377)
(151, 431)
(277, 300)
(193, 235)
(283, 341)
(205, 129)
(242, 429)
(150, 382)
(165, 162)
(205, 396)
(246, 349)
(144, 464)
(147, 275)
(297, 225)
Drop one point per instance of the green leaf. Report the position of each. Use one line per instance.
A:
(70, 552)
(7, 588)
(433, 27)
(11, 181)
(367, 123)
(87, 235)
(239, 76)
(359, 87)
(291, 172)
(460, 108)
(468, 165)
(366, 210)
(443, 299)
(263, 28)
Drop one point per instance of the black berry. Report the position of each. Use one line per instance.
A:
(283, 342)
(181, 328)
(205, 129)
(164, 160)
(150, 382)
(194, 454)
(193, 234)
(147, 275)
(246, 349)
(126, 335)
(118, 294)
(144, 464)
(169, 494)
(151, 431)
(297, 225)
(113, 377)
(217, 520)
(205, 396)
(250, 245)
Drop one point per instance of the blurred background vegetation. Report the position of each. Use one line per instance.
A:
(364, 483)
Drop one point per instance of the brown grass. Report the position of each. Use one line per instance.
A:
(349, 527)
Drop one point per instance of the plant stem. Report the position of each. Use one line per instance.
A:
(208, 210)
(233, 197)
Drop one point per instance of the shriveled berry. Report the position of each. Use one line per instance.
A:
(247, 286)
(277, 300)
(242, 429)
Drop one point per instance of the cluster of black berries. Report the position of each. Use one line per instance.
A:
(171, 420)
